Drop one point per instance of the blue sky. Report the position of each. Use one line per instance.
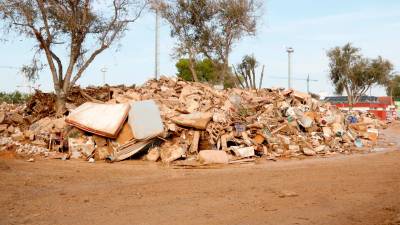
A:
(311, 27)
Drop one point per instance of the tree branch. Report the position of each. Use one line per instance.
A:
(60, 67)
(48, 54)
(86, 64)
(45, 22)
(237, 76)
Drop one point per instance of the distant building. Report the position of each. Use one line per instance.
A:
(382, 107)
(343, 99)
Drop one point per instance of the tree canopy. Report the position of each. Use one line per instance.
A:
(206, 70)
(79, 29)
(210, 28)
(187, 20)
(354, 74)
(393, 86)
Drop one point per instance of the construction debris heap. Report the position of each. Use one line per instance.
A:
(170, 119)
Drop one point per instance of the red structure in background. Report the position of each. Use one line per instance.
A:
(383, 109)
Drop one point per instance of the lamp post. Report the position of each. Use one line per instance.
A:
(104, 71)
(156, 6)
(289, 50)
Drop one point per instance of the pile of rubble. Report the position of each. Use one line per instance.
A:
(170, 119)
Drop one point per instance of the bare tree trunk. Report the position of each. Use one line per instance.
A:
(261, 78)
(349, 97)
(238, 77)
(224, 71)
(225, 65)
(60, 103)
(192, 67)
(253, 71)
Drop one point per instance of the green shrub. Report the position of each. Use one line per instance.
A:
(15, 97)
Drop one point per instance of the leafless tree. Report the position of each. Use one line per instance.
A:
(83, 28)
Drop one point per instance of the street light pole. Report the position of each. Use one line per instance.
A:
(104, 71)
(289, 50)
(157, 41)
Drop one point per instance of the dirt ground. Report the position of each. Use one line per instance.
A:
(356, 189)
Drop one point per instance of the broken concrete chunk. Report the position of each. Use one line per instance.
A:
(219, 117)
(11, 129)
(320, 148)
(16, 118)
(2, 117)
(194, 146)
(172, 153)
(294, 148)
(18, 136)
(145, 120)
(59, 124)
(246, 138)
(213, 157)
(301, 96)
(244, 152)
(40, 143)
(43, 125)
(284, 139)
(153, 154)
(190, 97)
(3, 127)
(198, 120)
(122, 99)
(306, 121)
(308, 152)
(29, 134)
(327, 132)
(70, 107)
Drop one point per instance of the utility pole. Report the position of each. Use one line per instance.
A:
(308, 80)
(157, 40)
(289, 50)
(104, 71)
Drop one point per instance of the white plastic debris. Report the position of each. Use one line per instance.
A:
(145, 120)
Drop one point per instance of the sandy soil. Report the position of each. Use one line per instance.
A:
(356, 189)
